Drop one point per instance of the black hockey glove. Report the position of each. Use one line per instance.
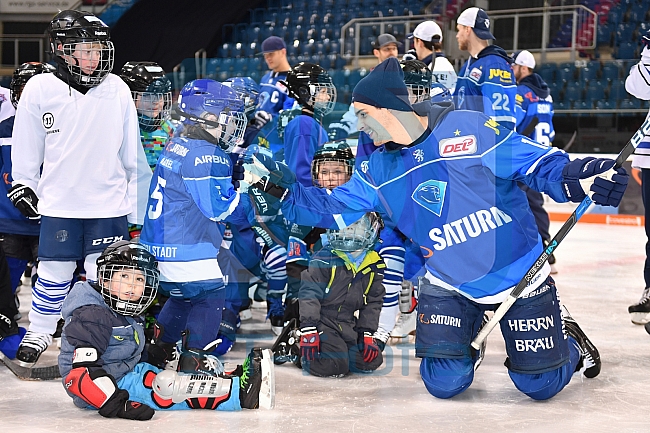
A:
(237, 173)
(410, 55)
(581, 176)
(119, 406)
(25, 200)
(261, 118)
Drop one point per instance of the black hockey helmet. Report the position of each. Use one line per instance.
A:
(284, 117)
(23, 73)
(152, 93)
(417, 77)
(333, 151)
(69, 28)
(124, 264)
(312, 87)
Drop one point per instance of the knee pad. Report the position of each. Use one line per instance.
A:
(446, 324)
(545, 385)
(532, 330)
(445, 378)
(56, 272)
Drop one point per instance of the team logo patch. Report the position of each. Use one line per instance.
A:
(455, 146)
(61, 235)
(48, 120)
(475, 74)
(364, 166)
(430, 195)
(418, 154)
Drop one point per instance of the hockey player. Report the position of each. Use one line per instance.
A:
(343, 278)
(248, 91)
(78, 162)
(103, 340)
(534, 112)
(312, 88)
(448, 180)
(152, 94)
(192, 190)
(638, 84)
(427, 47)
(485, 82)
(384, 46)
(18, 234)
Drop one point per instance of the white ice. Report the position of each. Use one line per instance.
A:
(600, 274)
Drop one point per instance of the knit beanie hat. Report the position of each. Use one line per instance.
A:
(384, 87)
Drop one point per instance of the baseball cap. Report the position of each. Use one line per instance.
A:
(383, 40)
(427, 31)
(477, 19)
(524, 58)
(273, 43)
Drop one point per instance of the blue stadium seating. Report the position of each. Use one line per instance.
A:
(625, 50)
(610, 72)
(587, 73)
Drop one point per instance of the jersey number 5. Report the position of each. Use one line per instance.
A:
(156, 209)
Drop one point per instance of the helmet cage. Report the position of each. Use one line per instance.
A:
(153, 108)
(247, 90)
(362, 235)
(338, 152)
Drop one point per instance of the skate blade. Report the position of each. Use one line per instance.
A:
(277, 330)
(267, 389)
(640, 318)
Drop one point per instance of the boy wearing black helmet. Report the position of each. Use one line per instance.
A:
(80, 125)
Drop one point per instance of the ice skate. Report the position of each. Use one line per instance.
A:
(257, 380)
(405, 325)
(31, 348)
(590, 363)
(286, 348)
(199, 360)
(640, 311)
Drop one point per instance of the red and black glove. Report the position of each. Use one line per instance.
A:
(370, 347)
(134, 230)
(309, 343)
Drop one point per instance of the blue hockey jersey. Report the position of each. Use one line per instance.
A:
(11, 220)
(191, 189)
(487, 84)
(273, 95)
(303, 136)
(455, 194)
(534, 101)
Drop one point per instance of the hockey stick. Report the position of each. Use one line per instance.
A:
(34, 373)
(561, 234)
(570, 143)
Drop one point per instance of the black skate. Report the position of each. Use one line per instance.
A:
(590, 358)
(31, 348)
(286, 347)
(257, 380)
(56, 338)
(199, 361)
(640, 311)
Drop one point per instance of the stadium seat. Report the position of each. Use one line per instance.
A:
(617, 91)
(626, 50)
(566, 74)
(587, 74)
(573, 92)
(212, 66)
(562, 105)
(610, 72)
(595, 92)
(606, 105)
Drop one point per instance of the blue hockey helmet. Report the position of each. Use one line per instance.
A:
(152, 93)
(247, 90)
(361, 235)
(440, 93)
(214, 108)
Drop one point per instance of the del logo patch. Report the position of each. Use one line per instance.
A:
(475, 74)
(455, 146)
(430, 195)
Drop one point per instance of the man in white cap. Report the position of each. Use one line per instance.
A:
(485, 82)
(534, 113)
(384, 47)
(427, 48)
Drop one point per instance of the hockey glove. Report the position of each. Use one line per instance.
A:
(25, 200)
(597, 176)
(99, 389)
(134, 231)
(309, 343)
(370, 348)
(261, 118)
(410, 55)
(237, 173)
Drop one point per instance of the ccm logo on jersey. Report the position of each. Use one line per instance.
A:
(108, 240)
(465, 145)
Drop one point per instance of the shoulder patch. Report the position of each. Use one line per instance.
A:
(455, 146)
(519, 99)
(475, 74)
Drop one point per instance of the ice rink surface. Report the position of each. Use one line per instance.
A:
(600, 274)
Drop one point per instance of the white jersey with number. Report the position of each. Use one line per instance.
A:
(638, 85)
(6, 107)
(93, 165)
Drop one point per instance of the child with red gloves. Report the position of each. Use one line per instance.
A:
(344, 277)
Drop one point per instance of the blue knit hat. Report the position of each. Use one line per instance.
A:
(384, 87)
